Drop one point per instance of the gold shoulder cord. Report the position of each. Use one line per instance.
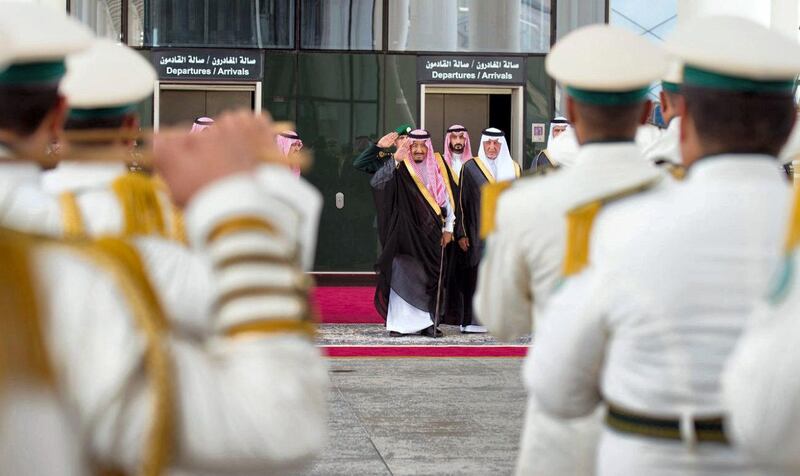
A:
(793, 230)
(71, 218)
(23, 352)
(122, 259)
(141, 208)
(177, 230)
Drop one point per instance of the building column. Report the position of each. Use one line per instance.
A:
(494, 26)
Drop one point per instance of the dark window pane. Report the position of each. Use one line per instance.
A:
(341, 24)
(336, 119)
(515, 26)
(220, 23)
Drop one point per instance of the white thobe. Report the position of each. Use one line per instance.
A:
(456, 164)
(403, 317)
(649, 324)
(522, 264)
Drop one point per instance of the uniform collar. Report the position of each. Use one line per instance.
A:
(70, 175)
(733, 166)
(17, 170)
(591, 153)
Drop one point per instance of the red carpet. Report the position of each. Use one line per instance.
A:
(346, 305)
(426, 351)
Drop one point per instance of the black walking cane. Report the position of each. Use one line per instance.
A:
(438, 293)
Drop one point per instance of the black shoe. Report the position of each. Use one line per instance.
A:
(396, 334)
(429, 332)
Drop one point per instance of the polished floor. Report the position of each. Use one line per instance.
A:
(423, 416)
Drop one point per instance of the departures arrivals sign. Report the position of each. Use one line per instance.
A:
(209, 64)
(471, 69)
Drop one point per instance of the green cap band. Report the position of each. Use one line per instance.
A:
(403, 130)
(670, 87)
(706, 79)
(31, 73)
(607, 98)
(101, 112)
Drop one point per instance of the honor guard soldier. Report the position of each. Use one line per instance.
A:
(99, 196)
(760, 385)
(665, 151)
(647, 322)
(236, 386)
(527, 254)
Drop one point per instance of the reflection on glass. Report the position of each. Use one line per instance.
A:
(514, 26)
(336, 117)
(653, 20)
(573, 14)
(102, 16)
(341, 24)
(221, 23)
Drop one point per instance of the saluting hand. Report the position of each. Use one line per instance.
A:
(189, 162)
(463, 243)
(388, 140)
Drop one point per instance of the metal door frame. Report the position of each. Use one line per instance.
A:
(249, 86)
(517, 105)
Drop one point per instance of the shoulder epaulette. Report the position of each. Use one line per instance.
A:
(580, 221)
(677, 171)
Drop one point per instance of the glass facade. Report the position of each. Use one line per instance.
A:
(104, 17)
(211, 23)
(341, 24)
(338, 82)
(509, 26)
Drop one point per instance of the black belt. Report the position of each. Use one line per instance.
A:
(709, 430)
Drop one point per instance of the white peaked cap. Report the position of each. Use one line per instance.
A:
(736, 47)
(108, 74)
(674, 72)
(36, 33)
(5, 53)
(605, 58)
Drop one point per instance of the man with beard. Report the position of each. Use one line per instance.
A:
(494, 164)
(416, 218)
(457, 151)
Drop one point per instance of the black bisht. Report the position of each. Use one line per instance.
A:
(410, 231)
(468, 220)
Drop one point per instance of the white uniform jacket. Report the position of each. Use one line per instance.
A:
(649, 324)
(249, 389)
(761, 384)
(521, 265)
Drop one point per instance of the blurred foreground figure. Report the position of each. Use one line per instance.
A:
(230, 384)
(665, 150)
(761, 388)
(674, 272)
(97, 194)
(525, 255)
